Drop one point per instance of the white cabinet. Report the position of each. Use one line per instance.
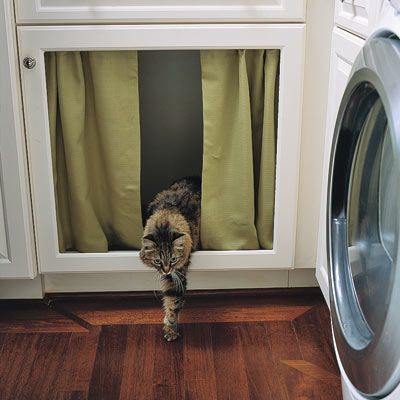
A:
(34, 41)
(357, 16)
(123, 11)
(345, 48)
(17, 258)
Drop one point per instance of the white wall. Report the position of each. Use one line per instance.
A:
(171, 118)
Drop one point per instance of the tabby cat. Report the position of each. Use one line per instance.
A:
(171, 233)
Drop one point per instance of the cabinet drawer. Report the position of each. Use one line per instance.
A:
(128, 11)
(357, 16)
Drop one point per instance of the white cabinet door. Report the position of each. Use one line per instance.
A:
(17, 258)
(34, 41)
(345, 48)
(122, 11)
(357, 16)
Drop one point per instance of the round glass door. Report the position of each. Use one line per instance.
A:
(372, 218)
(363, 218)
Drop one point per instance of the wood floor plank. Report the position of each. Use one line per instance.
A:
(270, 347)
(168, 374)
(137, 376)
(284, 346)
(313, 371)
(16, 360)
(198, 362)
(50, 354)
(313, 344)
(76, 371)
(262, 377)
(107, 371)
(125, 314)
(230, 370)
(75, 395)
(117, 314)
(34, 318)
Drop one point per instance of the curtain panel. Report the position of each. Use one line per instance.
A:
(93, 103)
(95, 139)
(240, 109)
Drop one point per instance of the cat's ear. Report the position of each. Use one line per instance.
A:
(177, 235)
(150, 236)
(148, 241)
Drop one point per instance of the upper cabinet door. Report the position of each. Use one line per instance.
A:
(345, 48)
(115, 11)
(357, 16)
(17, 258)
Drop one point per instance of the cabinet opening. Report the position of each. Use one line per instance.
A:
(125, 124)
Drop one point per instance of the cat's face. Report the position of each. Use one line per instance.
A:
(166, 253)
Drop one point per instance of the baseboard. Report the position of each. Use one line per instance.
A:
(323, 282)
(146, 281)
(21, 288)
(198, 280)
(302, 277)
(305, 293)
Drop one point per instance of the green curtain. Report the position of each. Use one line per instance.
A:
(95, 141)
(239, 111)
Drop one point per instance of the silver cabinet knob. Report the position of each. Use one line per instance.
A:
(29, 62)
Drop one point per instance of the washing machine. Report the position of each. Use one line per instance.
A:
(363, 219)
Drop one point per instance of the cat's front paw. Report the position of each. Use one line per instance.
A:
(171, 333)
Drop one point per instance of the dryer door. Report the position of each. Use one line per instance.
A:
(363, 221)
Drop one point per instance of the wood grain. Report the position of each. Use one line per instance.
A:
(108, 365)
(100, 314)
(229, 362)
(76, 369)
(262, 376)
(138, 369)
(314, 346)
(198, 363)
(254, 345)
(168, 369)
(34, 317)
(284, 346)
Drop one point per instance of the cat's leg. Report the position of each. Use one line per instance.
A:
(173, 300)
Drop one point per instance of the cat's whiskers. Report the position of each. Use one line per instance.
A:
(179, 273)
(175, 280)
(157, 282)
(179, 280)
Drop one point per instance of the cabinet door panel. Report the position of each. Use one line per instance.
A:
(111, 11)
(17, 258)
(345, 48)
(34, 41)
(357, 16)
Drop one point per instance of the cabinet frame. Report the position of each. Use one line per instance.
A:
(17, 246)
(158, 11)
(34, 41)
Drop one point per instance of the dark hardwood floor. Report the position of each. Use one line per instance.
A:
(263, 344)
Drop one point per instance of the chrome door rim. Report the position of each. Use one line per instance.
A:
(372, 363)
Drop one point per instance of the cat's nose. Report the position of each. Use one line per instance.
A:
(166, 272)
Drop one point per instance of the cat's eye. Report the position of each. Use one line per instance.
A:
(174, 260)
(157, 261)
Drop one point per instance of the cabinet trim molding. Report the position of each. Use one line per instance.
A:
(139, 11)
(16, 219)
(34, 41)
